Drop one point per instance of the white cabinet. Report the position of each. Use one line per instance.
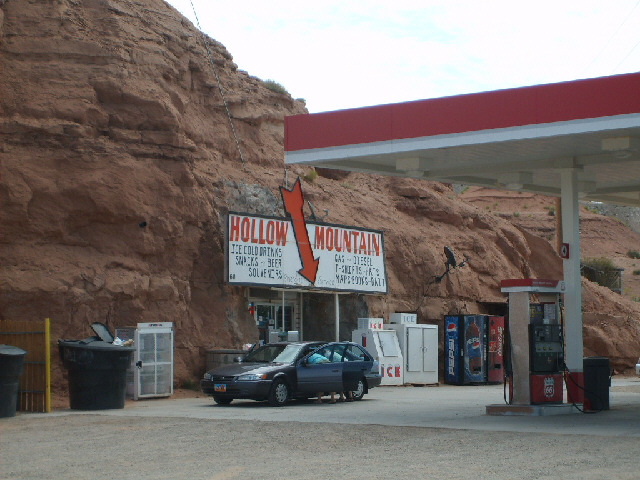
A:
(151, 371)
(419, 345)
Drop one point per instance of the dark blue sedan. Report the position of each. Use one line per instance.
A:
(278, 372)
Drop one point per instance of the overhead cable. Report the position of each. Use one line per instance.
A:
(215, 73)
(612, 37)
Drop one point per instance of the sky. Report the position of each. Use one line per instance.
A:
(355, 53)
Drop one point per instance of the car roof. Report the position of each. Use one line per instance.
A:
(319, 342)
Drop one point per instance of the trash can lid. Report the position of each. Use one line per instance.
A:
(11, 350)
(595, 361)
(102, 331)
(93, 343)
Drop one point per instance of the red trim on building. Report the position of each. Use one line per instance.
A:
(528, 282)
(540, 104)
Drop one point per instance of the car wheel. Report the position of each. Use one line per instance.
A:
(222, 400)
(358, 393)
(279, 393)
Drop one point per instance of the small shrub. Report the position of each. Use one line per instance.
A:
(311, 175)
(516, 214)
(591, 209)
(346, 185)
(600, 263)
(633, 254)
(636, 272)
(275, 87)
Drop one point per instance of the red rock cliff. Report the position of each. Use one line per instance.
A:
(118, 165)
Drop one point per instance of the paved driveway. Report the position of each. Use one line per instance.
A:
(444, 406)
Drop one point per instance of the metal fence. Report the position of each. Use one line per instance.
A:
(34, 391)
(610, 277)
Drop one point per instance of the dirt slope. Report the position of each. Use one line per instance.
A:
(118, 164)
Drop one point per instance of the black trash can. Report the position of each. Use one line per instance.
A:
(97, 371)
(11, 363)
(596, 383)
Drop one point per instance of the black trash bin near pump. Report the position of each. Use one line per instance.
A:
(97, 370)
(596, 383)
(11, 363)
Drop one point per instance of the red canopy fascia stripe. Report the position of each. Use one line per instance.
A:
(540, 104)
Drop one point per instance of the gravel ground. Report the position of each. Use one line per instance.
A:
(105, 447)
(394, 432)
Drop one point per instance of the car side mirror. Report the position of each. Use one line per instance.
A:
(238, 359)
(304, 362)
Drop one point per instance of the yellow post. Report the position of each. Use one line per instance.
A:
(47, 367)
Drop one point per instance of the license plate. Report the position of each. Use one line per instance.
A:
(219, 387)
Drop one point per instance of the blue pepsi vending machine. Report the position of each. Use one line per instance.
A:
(465, 349)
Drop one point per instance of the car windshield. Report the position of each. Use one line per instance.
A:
(274, 354)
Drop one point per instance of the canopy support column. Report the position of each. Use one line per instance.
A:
(572, 278)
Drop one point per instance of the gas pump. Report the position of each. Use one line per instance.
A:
(536, 340)
(545, 363)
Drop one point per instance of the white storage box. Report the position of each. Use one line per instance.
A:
(419, 345)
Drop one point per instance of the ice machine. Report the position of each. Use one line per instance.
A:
(383, 345)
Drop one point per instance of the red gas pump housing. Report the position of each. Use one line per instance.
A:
(546, 388)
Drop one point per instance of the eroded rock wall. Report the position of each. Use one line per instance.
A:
(118, 165)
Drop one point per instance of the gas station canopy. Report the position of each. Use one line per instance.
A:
(576, 140)
(516, 139)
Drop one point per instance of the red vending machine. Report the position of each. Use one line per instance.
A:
(495, 350)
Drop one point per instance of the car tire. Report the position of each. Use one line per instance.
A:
(358, 393)
(279, 393)
(222, 400)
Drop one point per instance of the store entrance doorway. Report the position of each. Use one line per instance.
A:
(268, 316)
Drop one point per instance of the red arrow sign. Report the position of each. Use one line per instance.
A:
(292, 200)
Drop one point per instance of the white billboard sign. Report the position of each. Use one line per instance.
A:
(269, 251)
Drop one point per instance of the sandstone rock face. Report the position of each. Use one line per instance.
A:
(118, 165)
